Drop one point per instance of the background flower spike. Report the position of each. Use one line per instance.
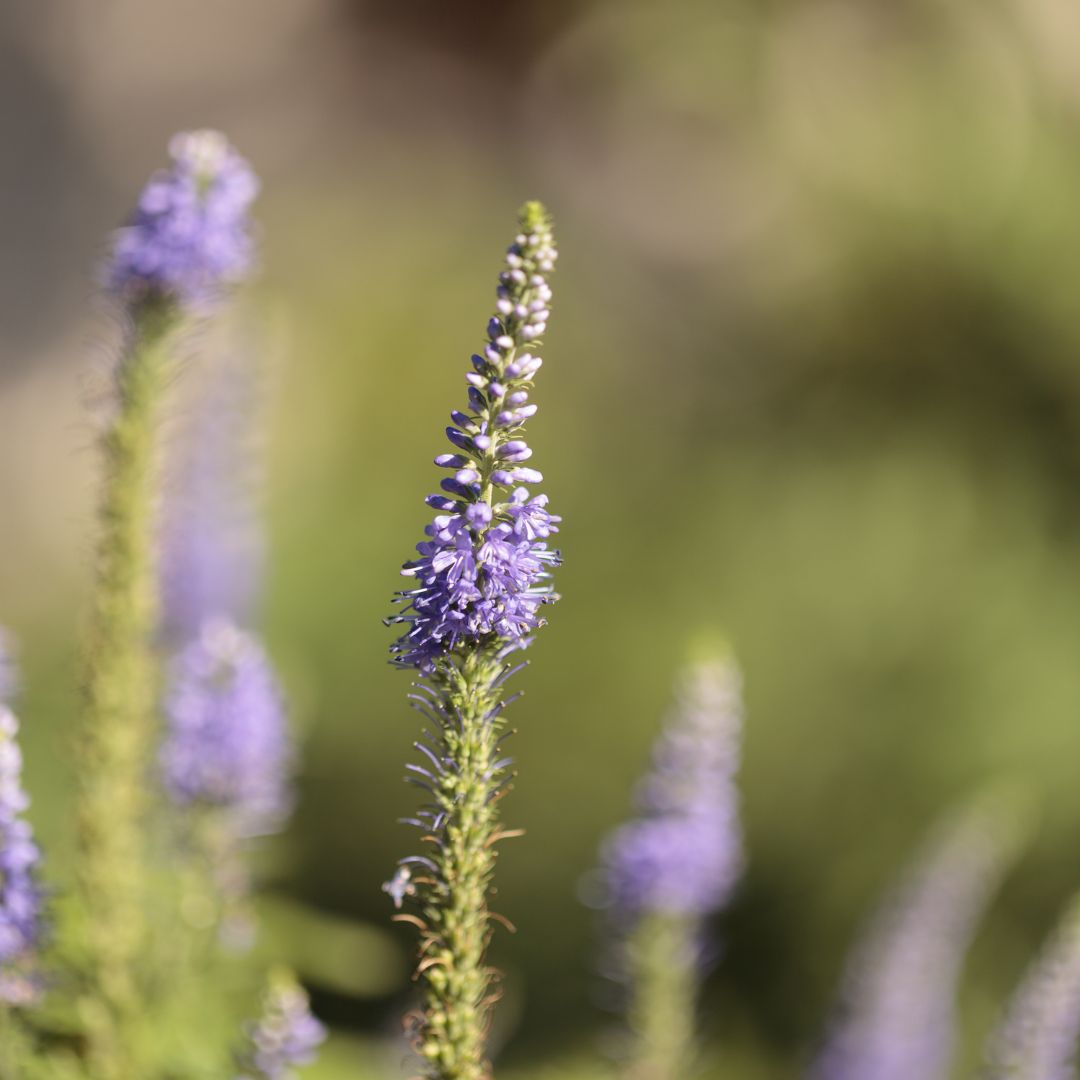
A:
(666, 871)
(226, 753)
(895, 1017)
(21, 916)
(211, 532)
(286, 1035)
(1038, 1038)
(187, 242)
(190, 236)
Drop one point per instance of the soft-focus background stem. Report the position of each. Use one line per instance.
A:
(119, 705)
(662, 963)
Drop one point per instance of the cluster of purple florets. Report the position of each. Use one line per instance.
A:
(285, 1037)
(20, 894)
(190, 235)
(227, 742)
(683, 855)
(484, 571)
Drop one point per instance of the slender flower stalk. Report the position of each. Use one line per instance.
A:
(285, 1036)
(895, 1015)
(188, 240)
(482, 579)
(21, 924)
(665, 872)
(1038, 1038)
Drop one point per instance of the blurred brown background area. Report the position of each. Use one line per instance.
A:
(813, 377)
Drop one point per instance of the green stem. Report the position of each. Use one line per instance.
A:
(661, 955)
(118, 710)
(15, 1046)
(453, 966)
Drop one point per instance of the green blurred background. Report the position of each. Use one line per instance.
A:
(813, 377)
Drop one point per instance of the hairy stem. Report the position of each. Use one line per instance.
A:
(453, 962)
(662, 962)
(118, 707)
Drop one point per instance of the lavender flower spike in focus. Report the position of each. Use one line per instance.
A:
(285, 1037)
(895, 1015)
(482, 578)
(483, 573)
(20, 895)
(676, 864)
(1039, 1036)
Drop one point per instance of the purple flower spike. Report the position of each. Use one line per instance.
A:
(227, 742)
(20, 894)
(211, 543)
(483, 576)
(895, 1016)
(1039, 1036)
(683, 855)
(285, 1036)
(190, 236)
(676, 863)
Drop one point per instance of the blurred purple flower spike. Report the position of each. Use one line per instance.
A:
(683, 855)
(20, 894)
(1039, 1035)
(896, 1012)
(227, 743)
(190, 236)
